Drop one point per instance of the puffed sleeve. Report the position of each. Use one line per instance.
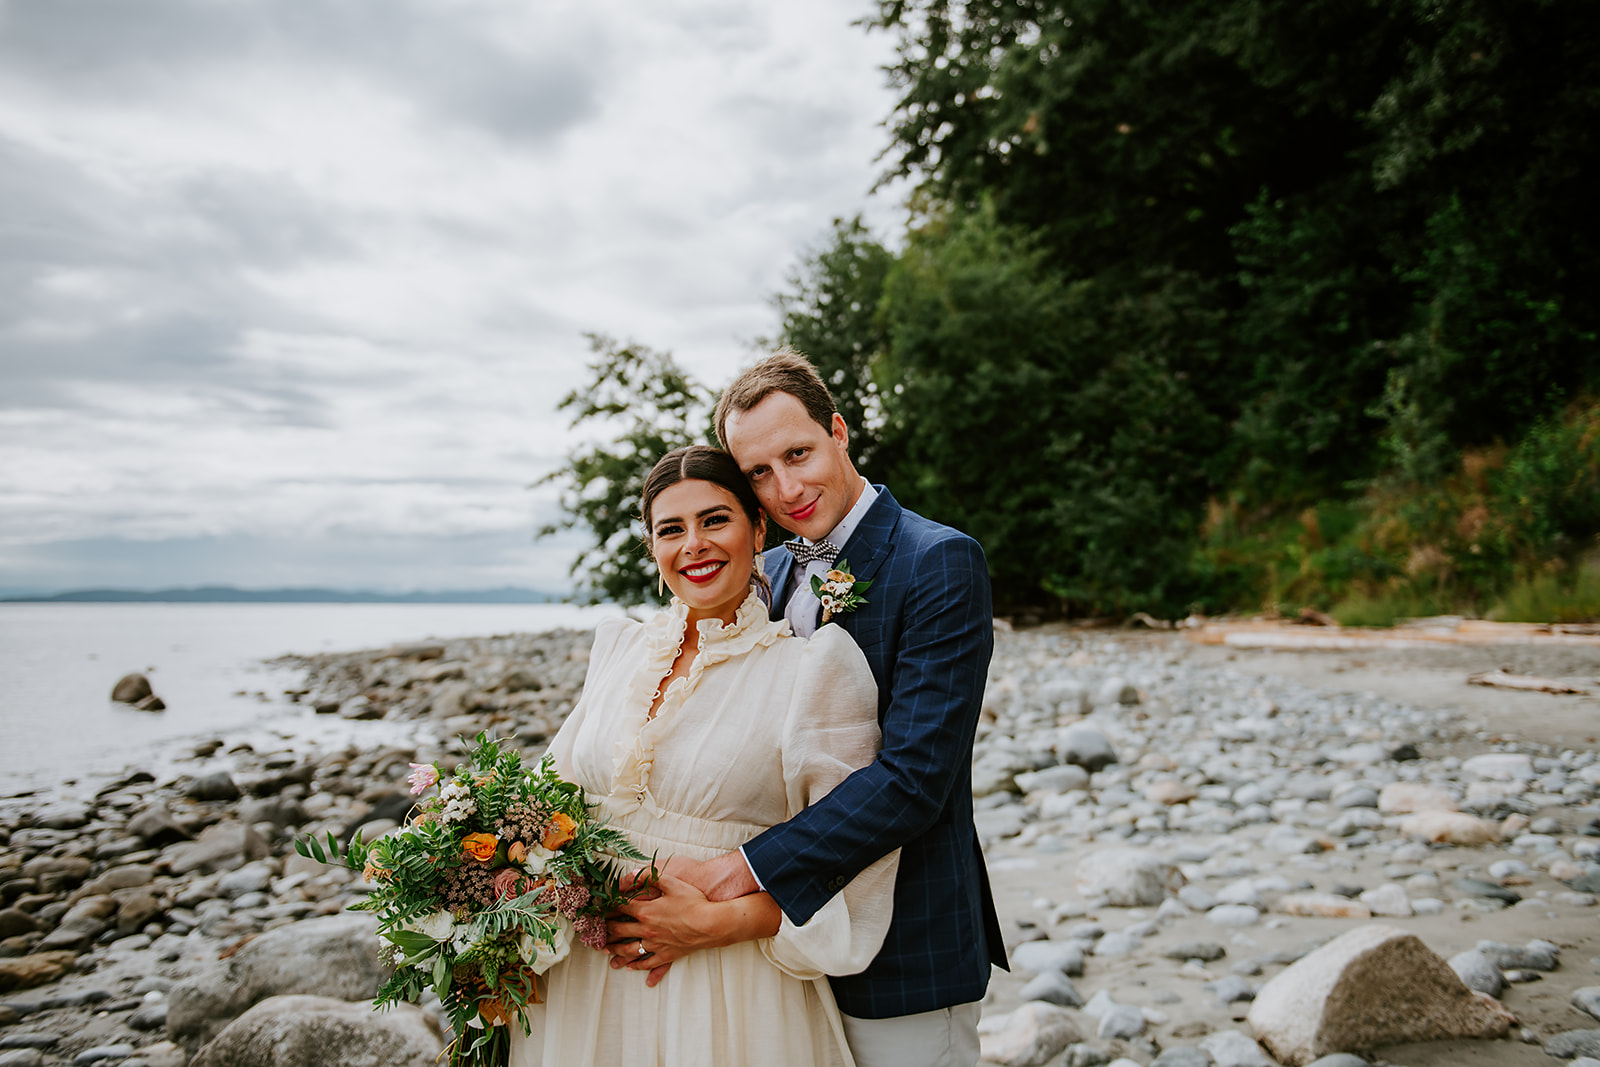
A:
(831, 730)
(607, 637)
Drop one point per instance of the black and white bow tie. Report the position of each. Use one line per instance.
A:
(805, 553)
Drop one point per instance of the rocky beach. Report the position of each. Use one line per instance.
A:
(1202, 855)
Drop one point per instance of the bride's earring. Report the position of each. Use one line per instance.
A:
(661, 586)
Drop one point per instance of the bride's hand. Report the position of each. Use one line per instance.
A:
(665, 925)
(661, 925)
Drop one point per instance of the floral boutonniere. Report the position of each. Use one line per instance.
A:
(839, 591)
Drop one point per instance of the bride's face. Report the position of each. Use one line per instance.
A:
(705, 545)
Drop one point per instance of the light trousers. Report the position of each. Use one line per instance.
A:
(947, 1037)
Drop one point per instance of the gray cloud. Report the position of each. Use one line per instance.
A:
(289, 290)
(524, 91)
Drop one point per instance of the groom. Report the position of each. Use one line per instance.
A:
(926, 630)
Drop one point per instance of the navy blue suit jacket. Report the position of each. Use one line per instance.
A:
(927, 631)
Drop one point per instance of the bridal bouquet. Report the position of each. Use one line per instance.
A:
(486, 887)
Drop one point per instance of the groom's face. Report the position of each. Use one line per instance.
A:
(802, 473)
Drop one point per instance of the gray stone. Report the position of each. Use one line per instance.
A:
(1196, 950)
(1587, 1000)
(1339, 1059)
(313, 1031)
(22, 1057)
(151, 1016)
(1117, 943)
(1086, 747)
(333, 956)
(1181, 1057)
(1359, 797)
(1126, 877)
(1116, 691)
(1478, 971)
(1031, 1036)
(1233, 915)
(1041, 957)
(1376, 985)
(997, 823)
(220, 847)
(1231, 989)
(156, 826)
(216, 786)
(131, 688)
(1231, 1048)
(1121, 1022)
(102, 1053)
(1062, 778)
(251, 878)
(1574, 1043)
(1477, 887)
(1534, 956)
(1053, 987)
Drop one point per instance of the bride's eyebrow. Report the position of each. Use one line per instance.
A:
(699, 515)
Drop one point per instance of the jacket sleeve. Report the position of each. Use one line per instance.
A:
(935, 693)
(831, 730)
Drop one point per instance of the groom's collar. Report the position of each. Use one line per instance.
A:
(852, 518)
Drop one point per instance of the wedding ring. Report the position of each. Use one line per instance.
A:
(641, 948)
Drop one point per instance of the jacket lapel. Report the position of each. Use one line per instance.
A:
(869, 546)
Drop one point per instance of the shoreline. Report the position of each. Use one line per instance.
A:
(1239, 771)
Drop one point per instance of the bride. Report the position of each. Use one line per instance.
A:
(697, 730)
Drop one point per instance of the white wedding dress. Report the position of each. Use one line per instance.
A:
(763, 724)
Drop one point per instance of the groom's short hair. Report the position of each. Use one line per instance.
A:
(785, 371)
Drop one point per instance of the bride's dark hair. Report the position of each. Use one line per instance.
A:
(706, 464)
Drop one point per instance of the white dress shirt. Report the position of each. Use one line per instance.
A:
(802, 607)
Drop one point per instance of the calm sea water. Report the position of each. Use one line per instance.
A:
(58, 662)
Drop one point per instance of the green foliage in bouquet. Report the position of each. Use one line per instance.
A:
(484, 889)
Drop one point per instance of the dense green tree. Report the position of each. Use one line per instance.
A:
(650, 405)
(830, 311)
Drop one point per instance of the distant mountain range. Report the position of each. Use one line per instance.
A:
(227, 594)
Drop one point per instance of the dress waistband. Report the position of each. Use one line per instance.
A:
(670, 833)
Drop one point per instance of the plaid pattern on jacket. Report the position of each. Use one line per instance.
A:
(927, 632)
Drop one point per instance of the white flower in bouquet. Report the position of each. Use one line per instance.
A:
(538, 859)
(437, 925)
(540, 956)
(458, 803)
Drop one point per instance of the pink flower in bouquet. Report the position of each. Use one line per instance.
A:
(423, 775)
(591, 930)
(511, 883)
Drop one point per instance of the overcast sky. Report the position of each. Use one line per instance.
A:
(289, 290)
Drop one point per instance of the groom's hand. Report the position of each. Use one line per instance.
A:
(724, 878)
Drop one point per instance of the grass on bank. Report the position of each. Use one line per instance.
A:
(1506, 533)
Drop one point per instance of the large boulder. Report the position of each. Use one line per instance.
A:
(335, 956)
(1126, 877)
(310, 1031)
(1376, 985)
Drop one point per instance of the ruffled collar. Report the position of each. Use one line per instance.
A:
(663, 640)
